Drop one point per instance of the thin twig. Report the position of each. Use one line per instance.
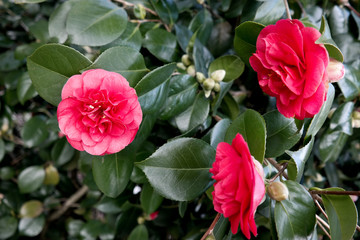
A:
(322, 221)
(321, 209)
(125, 3)
(284, 166)
(287, 9)
(73, 199)
(302, 8)
(356, 193)
(212, 226)
(277, 166)
(347, 4)
(323, 228)
(217, 118)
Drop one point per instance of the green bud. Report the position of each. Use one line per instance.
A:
(217, 87)
(139, 11)
(200, 77)
(277, 191)
(218, 75)
(186, 60)
(181, 66)
(51, 175)
(209, 84)
(191, 70)
(31, 209)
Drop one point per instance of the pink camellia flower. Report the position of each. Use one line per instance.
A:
(239, 186)
(335, 70)
(292, 67)
(99, 112)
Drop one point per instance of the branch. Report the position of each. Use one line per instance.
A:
(287, 9)
(73, 199)
(320, 222)
(281, 171)
(277, 166)
(212, 226)
(356, 193)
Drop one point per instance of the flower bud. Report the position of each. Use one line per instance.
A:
(355, 119)
(181, 66)
(200, 1)
(335, 70)
(200, 77)
(51, 175)
(209, 84)
(218, 75)
(217, 87)
(191, 70)
(139, 11)
(278, 191)
(185, 60)
(140, 220)
(207, 93)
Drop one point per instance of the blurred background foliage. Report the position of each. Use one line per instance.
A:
(40, 172)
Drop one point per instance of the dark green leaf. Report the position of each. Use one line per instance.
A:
(111, 205)
(139, 232)
(219, 131)
(62, 152)
(162, 44)
(50, 66)
(183, 35)
(232, 64)
(251, 126)
(25, 50)
(25, 90)
(221, 38)
(341, 119)
(245, 39)
(124, 60)
(112, 172)
(73, 227)
(34, 132)
(145, 128)
(31, 178)
(57, 21)
(298, 159)
(224, 89)
(40, 30)
(350, 84)
(166, 9)
(8, 226)
(91, 229)
(95, 22)
(264, 11)
(2, 149)
(150, 200)
(202, 25)
(8, 61)
(182, 208)
(195, 115)
(179, 169)
(31, 227)
(182, 94)
(28, 1)
(282, 133)
(295, 217)
(342, 214)
(319, 119)
(331, 145)
(202, 57)
(131, 37)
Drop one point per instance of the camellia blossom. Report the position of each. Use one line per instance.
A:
(292, 68)
(239, 186)
(99, 112)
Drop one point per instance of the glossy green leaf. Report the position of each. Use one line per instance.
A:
(202, 24)
(166, 9)
(295, 217)
(341, 119)
(145, 128)
(31, 178)
(264, 11)
(150, 200)
(162, 44)
(31, 227)
(50, 66)
(31, 209)
(298, 160)
(139, 232)
(219, 131)
(95, 22)
(34, 132)
(8, 226)
(230, 107)
(91, 229)
(224, 89)
(182, 93)
(131, 37)
(112, 172)
(251, 126)
(331, 145)
(112, 205)
(183, 36)
(319, 119)
(202, 57)
(179, 169)
(57, 21)
(73, 227)
(245, 39)
(62, 152)
(25, 90)
(195, 115)
(342, 214)
(282, 133)
(124, 60)
(232, 64)
(221, 38)
(25, 50)
(8, 62)
(40, 30)
(350, 84)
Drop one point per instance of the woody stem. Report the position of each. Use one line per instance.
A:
(287, 9)
(278, 167)
(212, 226)
(356, 193)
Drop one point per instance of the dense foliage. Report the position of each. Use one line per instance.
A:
(159, 187)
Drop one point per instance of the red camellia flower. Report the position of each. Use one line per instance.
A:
(239, 186)
(99, 112)
(292, 67)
